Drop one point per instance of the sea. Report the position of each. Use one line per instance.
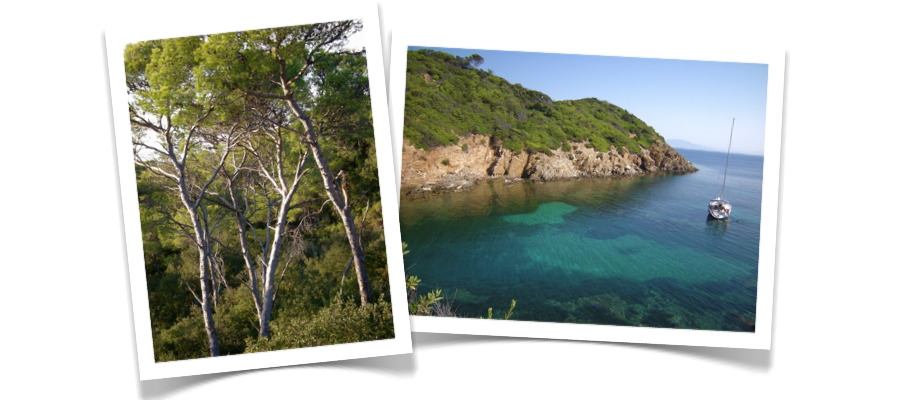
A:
(608, 251)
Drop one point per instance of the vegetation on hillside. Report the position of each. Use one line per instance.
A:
(448, 97)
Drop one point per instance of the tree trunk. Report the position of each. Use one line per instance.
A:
(247, 258)
(260, 301)
(207, 309)
(335, 195)
(265, 316)
(204, 271)
(357, 255)
(268, 289)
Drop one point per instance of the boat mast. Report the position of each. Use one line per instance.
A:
(725, 175)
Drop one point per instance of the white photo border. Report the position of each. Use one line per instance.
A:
(116, 40)
(761, 339)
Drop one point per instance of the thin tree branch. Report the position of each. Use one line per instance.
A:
(156, 170)
(265, 95)
(195, 295)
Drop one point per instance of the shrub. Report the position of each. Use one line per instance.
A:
(186, 339)
(507, 313)
(342, 322)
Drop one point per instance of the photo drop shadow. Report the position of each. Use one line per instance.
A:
(168, 387)
(399, 365)
(422, 340)
(758, 360)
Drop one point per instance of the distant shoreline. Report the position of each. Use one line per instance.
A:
(734, 153)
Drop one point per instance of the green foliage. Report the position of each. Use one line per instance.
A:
(430, 303)
(446, 98)
(510, 309)
(473, 61)
(341, 322)
(507, 313)
(234, 319)
(200, 83)
(424, 304)
(182, 340)
(445, 162)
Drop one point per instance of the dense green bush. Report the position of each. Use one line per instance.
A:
(182, 340)
(446, 99)
(342, 321)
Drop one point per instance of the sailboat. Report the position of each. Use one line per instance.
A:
(719, 208)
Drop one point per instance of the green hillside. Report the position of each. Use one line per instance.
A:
(447, 97)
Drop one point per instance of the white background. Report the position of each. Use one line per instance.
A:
(846, 305)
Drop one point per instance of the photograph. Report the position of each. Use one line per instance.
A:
(583, 189)
(259, 192)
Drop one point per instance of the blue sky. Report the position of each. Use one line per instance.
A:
(693, 101)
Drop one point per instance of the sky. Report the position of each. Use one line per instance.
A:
(693, 101)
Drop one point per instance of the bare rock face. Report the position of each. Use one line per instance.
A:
(445, 168)
(476, 157)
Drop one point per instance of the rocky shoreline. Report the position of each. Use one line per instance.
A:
(476, 158)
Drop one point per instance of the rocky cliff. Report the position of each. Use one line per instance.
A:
(477, 157)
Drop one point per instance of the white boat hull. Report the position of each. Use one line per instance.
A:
(720, 209)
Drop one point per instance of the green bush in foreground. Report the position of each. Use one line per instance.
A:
(341, 322)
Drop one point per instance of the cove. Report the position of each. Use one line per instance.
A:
(635, 252)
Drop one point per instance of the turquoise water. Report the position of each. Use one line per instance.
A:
(637, 252)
